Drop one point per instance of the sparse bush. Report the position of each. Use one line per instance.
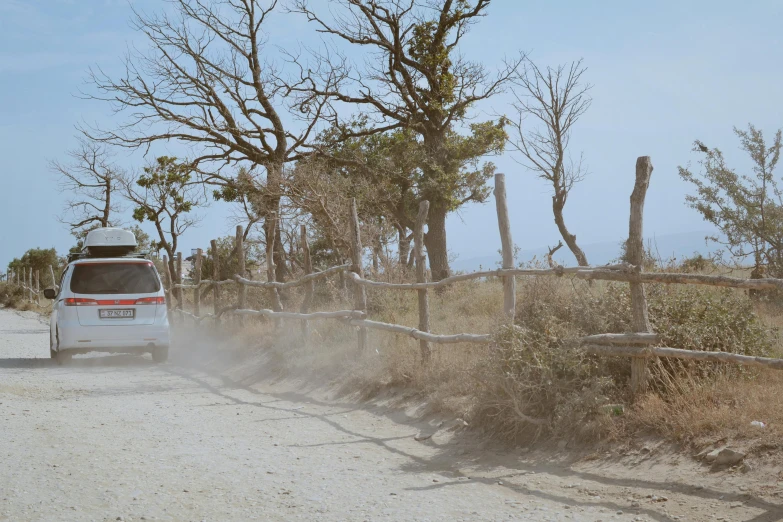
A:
(697, 263)
(11, 296)
(540, 382)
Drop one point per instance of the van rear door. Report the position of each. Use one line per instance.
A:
(115, 293)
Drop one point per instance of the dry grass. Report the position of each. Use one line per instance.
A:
(707, 410)
(540, 385)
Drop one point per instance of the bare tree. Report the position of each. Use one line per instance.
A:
(417, 80)
(208, 82)
(548, 104)
(90, 180)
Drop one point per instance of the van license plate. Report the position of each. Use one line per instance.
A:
(125, 313)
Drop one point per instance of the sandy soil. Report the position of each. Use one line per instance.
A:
(120, 438)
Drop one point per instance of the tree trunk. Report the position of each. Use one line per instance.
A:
(570, 240)
(274, 180)
(435, 241)
(404, 246)
(107, 206)
(281, 266)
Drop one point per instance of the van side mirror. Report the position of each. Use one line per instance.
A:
(50, 293)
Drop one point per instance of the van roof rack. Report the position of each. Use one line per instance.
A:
(86, 255)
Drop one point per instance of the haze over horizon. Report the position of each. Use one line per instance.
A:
(663, 75)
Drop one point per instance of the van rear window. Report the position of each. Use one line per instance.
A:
(114, 278)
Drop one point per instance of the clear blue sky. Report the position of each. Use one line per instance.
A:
(664, 74)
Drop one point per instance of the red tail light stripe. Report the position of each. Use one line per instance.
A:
(123, 302)
(81, 301)
(150, 300)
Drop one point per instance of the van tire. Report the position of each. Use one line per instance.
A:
(63, 357)
(52, 351)
(160, 354)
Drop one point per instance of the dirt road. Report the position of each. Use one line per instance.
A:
(119, 438)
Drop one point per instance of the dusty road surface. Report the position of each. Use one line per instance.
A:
(119, 438)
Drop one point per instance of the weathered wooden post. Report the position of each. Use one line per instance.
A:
(242, 290)
(167, 283)
(507, 245)
(54, 280)
(38, 287)
(180, 291)
(359, 293)
(635, 250)
(421, 277)
(271, 231)
(215, 279)
(197, 283)
(30, 284)
(310, 286)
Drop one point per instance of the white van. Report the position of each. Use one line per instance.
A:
(109, 300)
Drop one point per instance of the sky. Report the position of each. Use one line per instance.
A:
(663, 73)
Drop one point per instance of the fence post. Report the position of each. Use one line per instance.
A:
(38, 287)
(242, 290)
(359, 294)
(216, 279)
(197, 282)
(54, 281)
(167, 282)
(421, 277)
(507, 245)
(271, 231)
(310, 287)
(635, 250)
(180, 291)
(30, 285)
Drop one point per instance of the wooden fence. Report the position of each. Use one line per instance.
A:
(30, 282)
(638, 345)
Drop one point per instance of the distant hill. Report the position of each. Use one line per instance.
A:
(666, 247)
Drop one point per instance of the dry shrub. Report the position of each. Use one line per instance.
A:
(11, 296)
(538, 382)
(534, 381)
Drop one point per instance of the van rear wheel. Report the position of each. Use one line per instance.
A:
(160, 354)
(63, 357)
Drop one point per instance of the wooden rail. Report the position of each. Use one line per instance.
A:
(678, 353)
(501, 273)
(424, 336)
(638, 345)
(683, 279)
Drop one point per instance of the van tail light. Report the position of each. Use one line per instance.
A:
(80, 301)
(151, 300)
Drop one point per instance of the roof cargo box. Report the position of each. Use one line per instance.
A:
(109, 242)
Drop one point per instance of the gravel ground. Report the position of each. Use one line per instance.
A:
(120, 438)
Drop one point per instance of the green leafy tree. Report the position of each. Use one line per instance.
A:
(227, 255)
(417, 81)
(746, 206)
(383, 172)
(166, 195)
(38, 260)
